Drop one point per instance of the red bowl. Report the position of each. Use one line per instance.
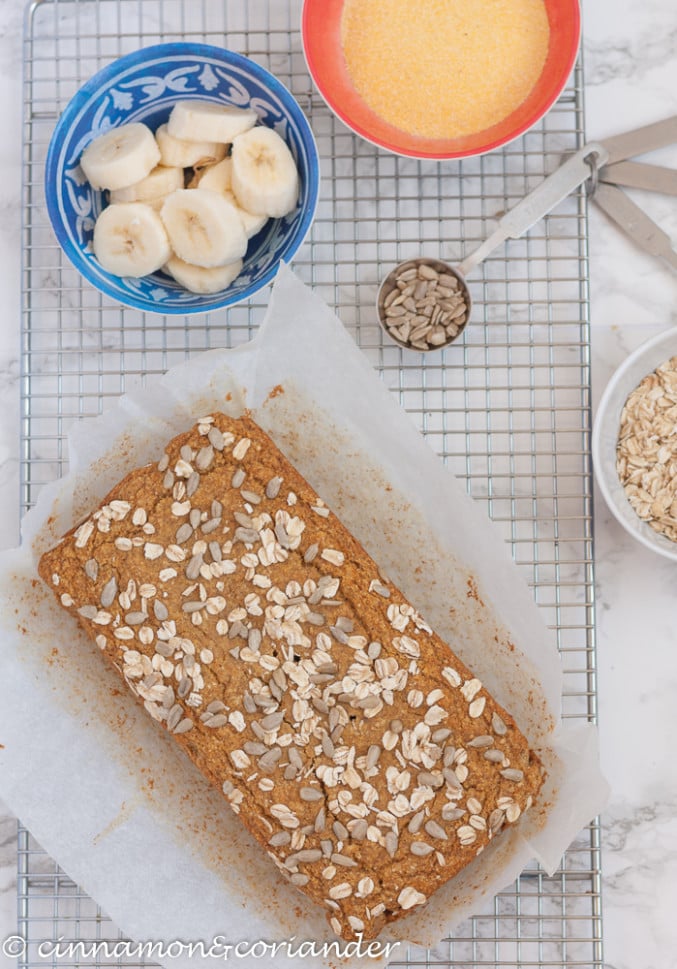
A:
(321, 34)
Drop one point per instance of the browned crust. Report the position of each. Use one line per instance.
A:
(349, 789)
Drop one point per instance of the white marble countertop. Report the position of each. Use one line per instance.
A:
(630, 52)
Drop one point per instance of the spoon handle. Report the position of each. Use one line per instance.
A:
(478, 255)
(540, 201)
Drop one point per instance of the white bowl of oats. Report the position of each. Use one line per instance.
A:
(634, 444)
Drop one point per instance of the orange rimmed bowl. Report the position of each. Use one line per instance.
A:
(322, 45)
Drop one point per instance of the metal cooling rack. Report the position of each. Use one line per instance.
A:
(508, 409)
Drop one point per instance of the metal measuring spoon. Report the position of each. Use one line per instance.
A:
(399, 314)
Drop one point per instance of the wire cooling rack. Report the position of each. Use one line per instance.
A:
(508, 408)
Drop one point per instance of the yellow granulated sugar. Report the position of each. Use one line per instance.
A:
(444, 68)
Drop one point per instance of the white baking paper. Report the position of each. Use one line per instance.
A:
(111, 797)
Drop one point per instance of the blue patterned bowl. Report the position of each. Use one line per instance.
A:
(144, 86)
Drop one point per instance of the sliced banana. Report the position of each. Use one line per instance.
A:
(130, 240)
(209, 121)
(264, 175)
(121, 157)
(176, 153)
(199, 237)
(252, 223)
(217, 178)
(204, 228)
(198, 279)
(159, 183)
(156, 204)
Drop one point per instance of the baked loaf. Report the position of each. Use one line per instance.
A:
(361, 753)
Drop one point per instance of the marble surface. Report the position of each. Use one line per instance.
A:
(630, 52)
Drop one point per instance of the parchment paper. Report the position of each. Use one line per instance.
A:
(107, 793)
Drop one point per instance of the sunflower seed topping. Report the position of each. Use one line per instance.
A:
(306, 856)
(135, 618)
(270, 760)
(435, 830)
(160, 610)
(421, 849)
(273, 487)
(217, 720)
(512, 774)
(109, 592)
(92, 569)
(216, 438)
(345, 736)
(484, 740)
(344, 861)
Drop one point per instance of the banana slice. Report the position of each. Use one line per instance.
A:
(130, 240)
(175, 153)
(156, 204)
(159, 183)
(209, 121)
(251, 223)
(121, 157)
(218, 178)
(198, 279)
(204, 228)
(264, 175)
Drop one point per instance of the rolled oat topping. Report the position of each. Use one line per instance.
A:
(344, 733)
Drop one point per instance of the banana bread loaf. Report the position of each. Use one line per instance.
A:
(361, 753)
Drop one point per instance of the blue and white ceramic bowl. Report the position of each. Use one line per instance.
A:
(144, 86)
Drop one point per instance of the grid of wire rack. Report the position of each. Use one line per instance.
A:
(508, 409)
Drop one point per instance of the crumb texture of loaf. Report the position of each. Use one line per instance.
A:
(366, 759)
